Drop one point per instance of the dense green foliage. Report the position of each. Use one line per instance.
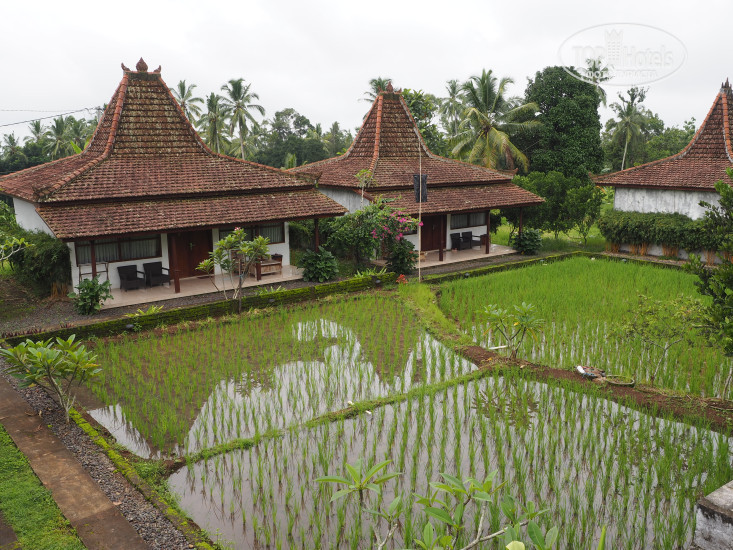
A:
(673, 230)
(45, 263)
(569, 136)
(528, 241)
(402, 257)
(28, 506)
(319, 265)
(718, 283)
(569, 202)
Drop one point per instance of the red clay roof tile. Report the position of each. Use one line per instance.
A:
(391, 147)
(73, 221)
(145, 150)
(698, 166)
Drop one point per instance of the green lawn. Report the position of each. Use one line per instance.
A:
(27, 506)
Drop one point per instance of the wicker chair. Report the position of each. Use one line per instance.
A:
(468, 239)
(154, 274)
(129, 279)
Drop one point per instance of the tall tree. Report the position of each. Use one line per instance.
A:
(238, 102)
(190, 104)
(38, 132)
(424, 108)
(376, 85)
(58, 143)
(336, 140)
(213, 123)
(451, 108)
(569, 139)
(630, 125)
(491, 120)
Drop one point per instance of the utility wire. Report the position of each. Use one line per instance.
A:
(43, 117)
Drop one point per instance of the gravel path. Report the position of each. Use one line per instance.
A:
(148, 521)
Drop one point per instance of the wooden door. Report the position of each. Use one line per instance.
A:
(432, 237)
(190, 248)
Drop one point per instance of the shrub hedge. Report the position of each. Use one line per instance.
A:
(213, 309)
(674, 230)
(45, 263)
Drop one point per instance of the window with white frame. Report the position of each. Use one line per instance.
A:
(118, 250)
(473, 219)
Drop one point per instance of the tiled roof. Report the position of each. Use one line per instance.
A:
(147, 170)
(143, 147)
(462, 199)
(698, 166)
(390, 146)
(74, 221)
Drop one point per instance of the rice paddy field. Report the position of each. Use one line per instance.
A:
(245, 401)
(184, 392)
(590, 461)
(582, 302)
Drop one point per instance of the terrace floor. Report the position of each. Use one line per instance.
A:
(195, 286)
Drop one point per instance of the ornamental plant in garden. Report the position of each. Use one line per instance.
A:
(55, 367)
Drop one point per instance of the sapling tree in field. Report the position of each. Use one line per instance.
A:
(660, 325)
(514, 325)
(54, 366)
(234, 253)
(445, 505)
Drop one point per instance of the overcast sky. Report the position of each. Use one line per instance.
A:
(318, 56)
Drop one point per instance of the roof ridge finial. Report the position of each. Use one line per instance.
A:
(125, 68)
(389, 89)
(141, 66)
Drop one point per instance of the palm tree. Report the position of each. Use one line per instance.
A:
(238, 103)
(58, 143)
(213, 123)
(451, 108)
(631, 125)
(376, 85)
(490, 121)
(188, 102)
(38, 132)
(79, 133)
(11, 145)
(595, 73)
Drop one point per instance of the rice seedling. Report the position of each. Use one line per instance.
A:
(192, 389)
(601, 464)
(584, 303)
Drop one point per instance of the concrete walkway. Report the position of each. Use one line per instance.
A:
(97, 521)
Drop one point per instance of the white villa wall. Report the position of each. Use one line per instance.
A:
(629, 199)
(345, 197)
(28, 218)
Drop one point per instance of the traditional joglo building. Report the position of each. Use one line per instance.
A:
(389, 146)
(678, 183)
(147, 188)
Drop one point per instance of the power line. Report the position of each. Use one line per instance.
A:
(32, 110)
(47, 117)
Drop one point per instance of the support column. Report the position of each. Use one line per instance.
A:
(521, 225)
(317, 233)
(488, 231)
(174, 262)
(93, 253)
(441, 244)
